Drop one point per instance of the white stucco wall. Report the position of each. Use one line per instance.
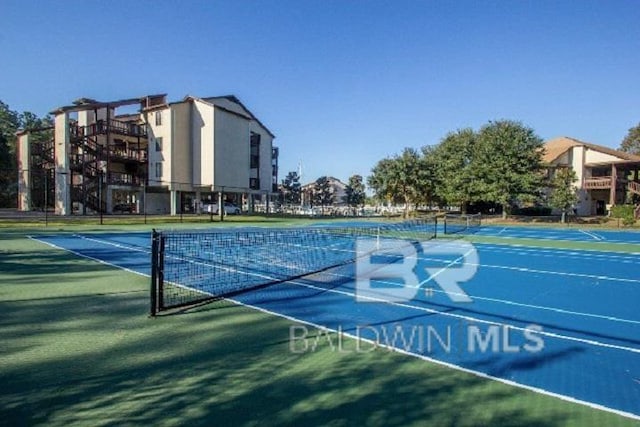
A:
(160, 131)
(61, 147)
(202, 128)
(88, 117)
(577, 159)
(24, 171)
(229, 105)
(181, 147)
(592, 156)
(232, 146)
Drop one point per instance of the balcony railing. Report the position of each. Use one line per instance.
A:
(128, 154)
(597, 183)
(117, 178)
(102, 127)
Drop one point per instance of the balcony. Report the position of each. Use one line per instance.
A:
(117, 178)
(102, 127)
(595, 183)
(128, 154)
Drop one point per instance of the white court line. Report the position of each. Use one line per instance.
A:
(473, 297)
(551, 272)
(542, 307)
(443, 363)
(549, 236)
(593, 235)
(115, 244)
(631, 258)
(401, 351)
(521, 269)
(425, 309)
(445, 268)
(508, 302)
(53, 245)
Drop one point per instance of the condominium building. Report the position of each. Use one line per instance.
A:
(162, 157)
(606, 177)
(337, 190)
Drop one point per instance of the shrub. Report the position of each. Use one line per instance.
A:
(624, 212)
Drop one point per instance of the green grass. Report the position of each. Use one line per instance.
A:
(79, 349)
(139, 222)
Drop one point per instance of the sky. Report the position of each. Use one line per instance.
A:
(342, 84)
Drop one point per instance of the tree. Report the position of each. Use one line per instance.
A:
(323, 194)
(456, 160)
(508, 163)
(354, 192)
(381, 181)
(9, 124)
(291, 188)
(564, 194)
(403, 179)
(631, 142)
(427, 177)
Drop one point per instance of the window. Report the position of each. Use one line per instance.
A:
(255, 151)
(158, 118)
(158, 170)
(159, 144)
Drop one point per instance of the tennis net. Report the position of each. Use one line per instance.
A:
(460, 223)
(190, 267)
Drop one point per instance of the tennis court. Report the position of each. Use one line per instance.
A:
(558, 321)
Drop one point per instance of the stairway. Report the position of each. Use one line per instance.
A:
(87, 154)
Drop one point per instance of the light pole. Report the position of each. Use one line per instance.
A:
(221, 204)
(46, 198)
(100, 196)
(144, 198)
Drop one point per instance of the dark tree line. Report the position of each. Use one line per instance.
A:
(10, 122)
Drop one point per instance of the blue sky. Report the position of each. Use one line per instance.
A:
(342, 84)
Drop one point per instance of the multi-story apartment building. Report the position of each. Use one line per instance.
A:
(337, 188)
(162, 158)
(606, 177)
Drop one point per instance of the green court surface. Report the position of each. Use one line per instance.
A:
(79, 349)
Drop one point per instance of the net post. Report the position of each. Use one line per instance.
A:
(155, 237)
(160, 273)
(157, 273)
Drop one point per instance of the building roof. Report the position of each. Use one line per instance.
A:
(332, 181)
(229, 103)
(235, 100)
(84, 104)
(222, 102)
(556, 147)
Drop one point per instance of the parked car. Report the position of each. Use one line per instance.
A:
(229, 209)
(124, 208)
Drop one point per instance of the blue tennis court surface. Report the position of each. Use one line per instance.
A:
(564, 322)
